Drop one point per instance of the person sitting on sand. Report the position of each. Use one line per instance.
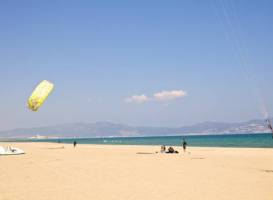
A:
(171, 150)
(163, 149)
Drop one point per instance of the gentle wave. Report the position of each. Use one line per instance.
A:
(233, 140)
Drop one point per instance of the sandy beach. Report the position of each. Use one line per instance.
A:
(48, 171)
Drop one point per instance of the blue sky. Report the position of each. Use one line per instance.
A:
(100, 53)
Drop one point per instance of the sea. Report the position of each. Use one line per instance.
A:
(232, 140)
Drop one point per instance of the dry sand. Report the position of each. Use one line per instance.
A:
(135, 172)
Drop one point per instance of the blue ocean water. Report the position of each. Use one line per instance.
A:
(234, 140)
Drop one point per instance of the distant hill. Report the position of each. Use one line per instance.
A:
(106, 129)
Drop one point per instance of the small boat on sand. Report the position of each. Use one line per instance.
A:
(10, 151)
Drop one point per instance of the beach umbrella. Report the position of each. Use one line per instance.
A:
(39, 95)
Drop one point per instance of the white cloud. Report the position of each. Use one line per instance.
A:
(159, 96)
(169, 95)
(137, 99)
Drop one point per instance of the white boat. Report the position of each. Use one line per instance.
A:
(10, 151)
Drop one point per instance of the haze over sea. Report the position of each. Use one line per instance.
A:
(263, 140)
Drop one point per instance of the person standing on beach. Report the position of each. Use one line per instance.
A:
(74, 143)
(184, 144)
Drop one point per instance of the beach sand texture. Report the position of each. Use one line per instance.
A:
(111, 172)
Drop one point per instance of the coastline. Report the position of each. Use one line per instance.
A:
(234, 140)
(48, 171)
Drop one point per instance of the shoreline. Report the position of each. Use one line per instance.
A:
(216, 141)
(7, 143)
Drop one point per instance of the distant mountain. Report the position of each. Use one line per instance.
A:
(106, 129)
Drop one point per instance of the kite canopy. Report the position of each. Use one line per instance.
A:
(39, 95)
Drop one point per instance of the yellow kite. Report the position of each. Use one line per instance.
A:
(39, 95)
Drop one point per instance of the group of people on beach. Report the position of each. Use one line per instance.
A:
(171, 149)
(162, 150)
(163, 147)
